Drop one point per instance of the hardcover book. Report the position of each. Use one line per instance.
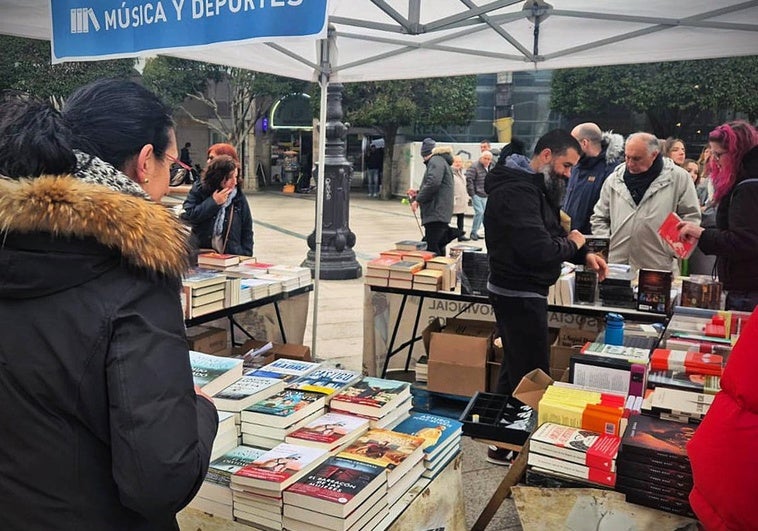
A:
(434, 429)
(279, 467)
(329, 431)
(658, 475)
(593, 475)
(337, 486)
(217, 259)
(372, 397)
(285, 369)
(585, 447)
(599, 245)
(245, 392)
(199, 277)
(284, 408)
(214, 373)
(397, 452)
(410, 245)
(326, 381)
(687, 382)
(670, 234)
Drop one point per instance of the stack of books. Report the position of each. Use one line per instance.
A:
(218, 260)
(579, 408)
(285, 369)
(253, 289)
(214, 373)
(203, 291)
(616, 290)
(653, 467)
(449, 267)
(701, 291)
(378, 270)
(226, 435)
(384, 402)
(612, 368)
(427, 280)
(215, 494)
(401, 273)
(287, 281)
(325, 380)
(330, 432)
(401, 455)
(339, 494)
(422, 369)
(410, 245)
(442, 439)
(245, 392)
(268, 422)
(259, 485)
(562, 292)
(303, 274)
(677, 404)
(584, 456)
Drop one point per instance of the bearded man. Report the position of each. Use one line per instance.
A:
(526, 245)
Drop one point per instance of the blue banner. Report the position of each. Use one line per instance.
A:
(87, 29)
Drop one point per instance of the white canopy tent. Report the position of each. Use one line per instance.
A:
(402, 39)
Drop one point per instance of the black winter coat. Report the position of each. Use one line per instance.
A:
(735, 239)
(436, 193)
(101, 427)
(200, 211)
(525, 241)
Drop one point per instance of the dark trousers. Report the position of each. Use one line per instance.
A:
(459, 218)
(436, 234)
(522, 322)
(741, 301)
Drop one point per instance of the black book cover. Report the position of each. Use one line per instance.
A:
(599, 245)
(653, 474)
(669, 463)
(654, 291)
(550, 480)
(585, 286)
(657, 501)
(679, 491)
(652, 437)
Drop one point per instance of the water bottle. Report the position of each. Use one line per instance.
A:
(614, 329)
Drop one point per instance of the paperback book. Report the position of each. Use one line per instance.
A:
(670, 234)
(329, 431)
(284, 408)
(654, 437)
(245, 392)
(372, 397)
(220, 471)
(326, 381)
(337, 486)
(397, 452)
(214, 373)
(436, 431)
(279, 467)
(285, 369)
(585, 447)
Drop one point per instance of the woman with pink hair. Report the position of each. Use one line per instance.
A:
(734, 172)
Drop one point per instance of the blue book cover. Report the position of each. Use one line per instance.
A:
(326, 381)
(285, 369)
(207, 369)
(434, 429)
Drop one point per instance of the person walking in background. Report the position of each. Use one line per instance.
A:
(460, 196)
(475, 188)
(435, 195)
(217, 209)
(601, 153)
(95, 380)
(184, 155)
(526, 246)
(673, 148)
(374, 162)
(734, 239)
(635, 199)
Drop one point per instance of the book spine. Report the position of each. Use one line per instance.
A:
(573, 456)
(573, 469)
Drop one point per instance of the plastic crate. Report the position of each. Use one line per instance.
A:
(498, 418)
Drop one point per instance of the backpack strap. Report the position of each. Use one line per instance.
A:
(751, 180)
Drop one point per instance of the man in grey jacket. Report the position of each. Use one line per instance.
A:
(435, 195)
(635, 200)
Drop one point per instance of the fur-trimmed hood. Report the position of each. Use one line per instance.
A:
(67, 213)
(613, 143)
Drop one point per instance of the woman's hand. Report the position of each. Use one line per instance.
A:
(220, 196)
(689, 232)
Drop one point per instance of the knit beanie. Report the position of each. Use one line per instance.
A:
(427, 146)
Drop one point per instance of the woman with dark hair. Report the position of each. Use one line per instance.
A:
(734, 240)
(95, 380)
(218, 211)
(222, 149)
(673, 148)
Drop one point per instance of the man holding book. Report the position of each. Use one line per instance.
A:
(526, 245)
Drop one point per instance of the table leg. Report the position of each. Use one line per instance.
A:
(514, 475)
(394, 335)
(413, 334)
(279, 320)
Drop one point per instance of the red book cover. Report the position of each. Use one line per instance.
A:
(670, 234)
(596, 450)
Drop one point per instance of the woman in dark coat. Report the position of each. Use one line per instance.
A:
(101, 426)
(734, 240)
(218, 211)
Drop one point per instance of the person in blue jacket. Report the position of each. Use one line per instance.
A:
(218, 210)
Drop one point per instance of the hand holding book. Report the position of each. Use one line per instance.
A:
(680, 235)
(689, 232)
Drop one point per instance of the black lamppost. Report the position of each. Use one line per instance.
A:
(337, 240)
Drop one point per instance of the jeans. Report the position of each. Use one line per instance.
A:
(522, 322)
(742, 301)
(373, 181)
(479, 204)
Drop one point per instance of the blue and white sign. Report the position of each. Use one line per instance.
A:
(105, 29)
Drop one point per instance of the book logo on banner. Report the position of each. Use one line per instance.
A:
(116, 28)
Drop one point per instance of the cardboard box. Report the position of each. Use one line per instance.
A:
(531, 387)
(292, 351)
(568, 342)
(207, 339)
(458, 357)
(493, 371)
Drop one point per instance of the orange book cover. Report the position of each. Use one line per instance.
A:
(602, 419)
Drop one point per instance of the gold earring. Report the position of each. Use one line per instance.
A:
(146, 181)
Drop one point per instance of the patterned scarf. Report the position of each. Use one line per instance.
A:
(217, 241)
(93, 170)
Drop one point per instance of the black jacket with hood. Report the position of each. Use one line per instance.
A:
(526, 243)
(735, 238)
(436, 193)
(102, 428)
